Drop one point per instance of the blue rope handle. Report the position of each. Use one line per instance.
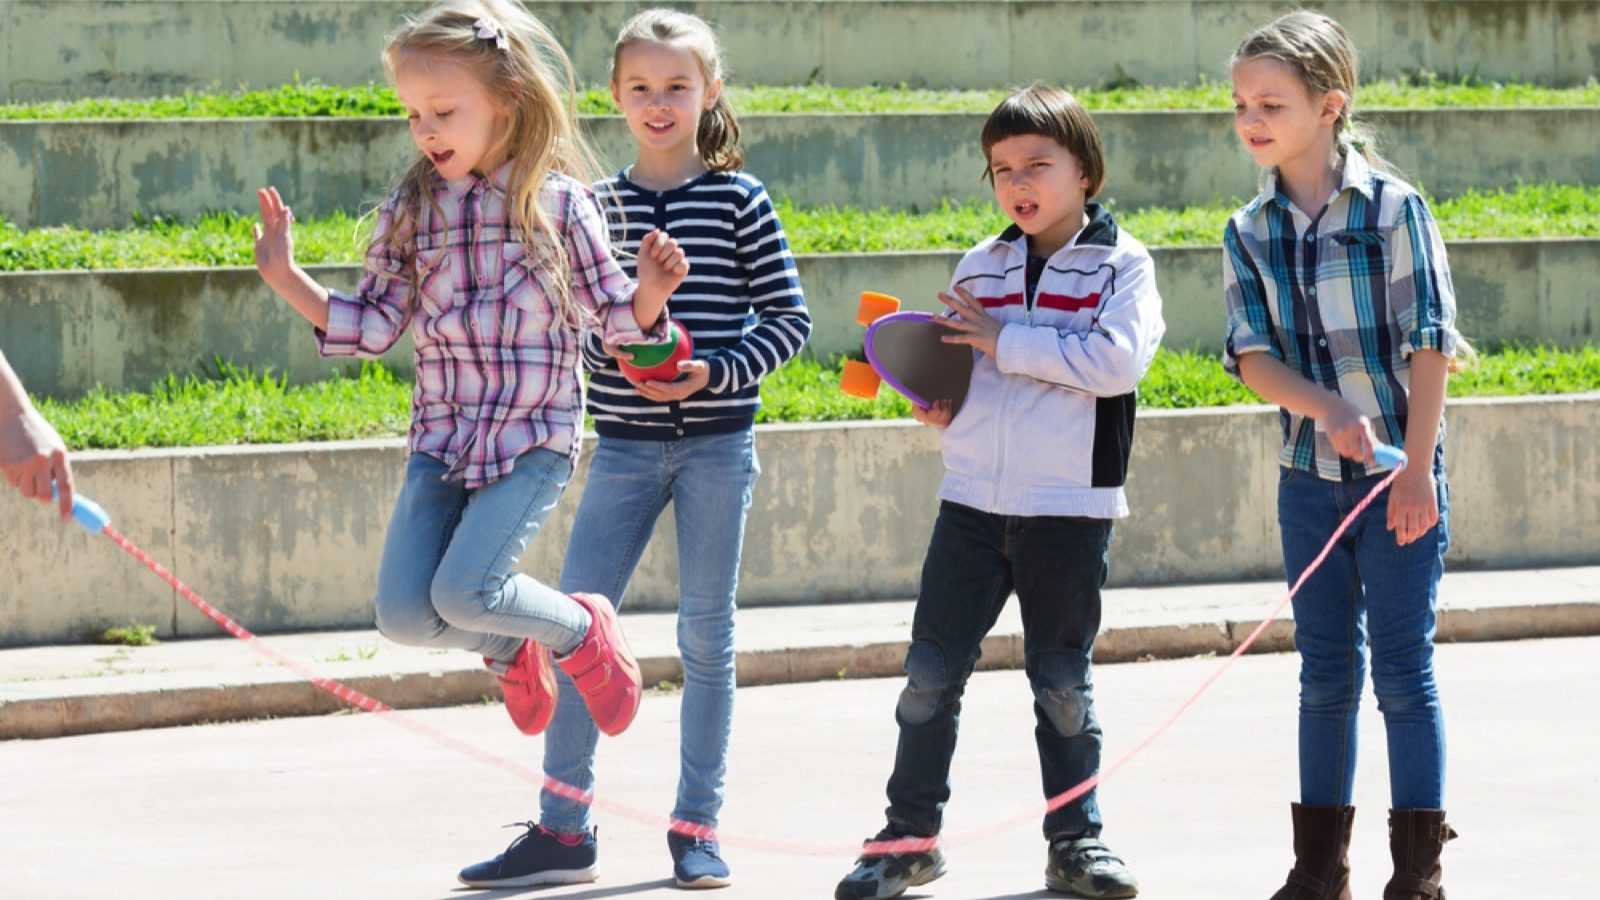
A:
(85, 512)
(1389, 457)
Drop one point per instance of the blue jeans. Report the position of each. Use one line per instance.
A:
(709, 480)
(1056, 565)
(1369, 590)
(448, 576)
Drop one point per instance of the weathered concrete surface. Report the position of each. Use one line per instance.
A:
(352, 806)
(124, 330)
(82, 689)
(288, 537)
(71, 48)
(99, 174)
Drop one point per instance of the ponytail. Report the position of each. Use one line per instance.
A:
(718, 138)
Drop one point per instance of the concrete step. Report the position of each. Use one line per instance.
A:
(61, 690)
(137, 326)
(76, 48)
(100, 174)
(288, 537)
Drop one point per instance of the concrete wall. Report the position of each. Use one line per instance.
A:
(100, 174)
(288, 537)
(127, 329)
(71, 48)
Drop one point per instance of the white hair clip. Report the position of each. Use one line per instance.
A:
(490, 30)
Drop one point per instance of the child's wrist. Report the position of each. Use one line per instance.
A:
(281, 278)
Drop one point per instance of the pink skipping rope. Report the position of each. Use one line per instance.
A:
(94, 519)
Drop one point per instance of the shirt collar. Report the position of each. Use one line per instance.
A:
(497, 180)
(1101, 230)
(1356, 176)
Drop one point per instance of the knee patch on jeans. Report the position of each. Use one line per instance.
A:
(927, 678)
(1063, 692)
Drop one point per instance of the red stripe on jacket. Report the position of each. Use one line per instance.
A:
(1066, 303)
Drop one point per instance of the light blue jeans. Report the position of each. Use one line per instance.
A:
(709, 481)
(448, 576)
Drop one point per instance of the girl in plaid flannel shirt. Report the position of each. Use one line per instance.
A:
(1341, 311)
(494, 252)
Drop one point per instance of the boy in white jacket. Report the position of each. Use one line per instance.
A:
(1063, 314)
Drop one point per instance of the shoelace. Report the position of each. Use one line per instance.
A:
(709, 848)
(531, 827)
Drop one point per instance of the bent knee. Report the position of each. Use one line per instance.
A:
(407, 620)
(928, 683)
(1062, 689)
(459, 598)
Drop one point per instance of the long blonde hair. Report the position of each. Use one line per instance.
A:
(1324, 58)
(717, 137)
(533, 79)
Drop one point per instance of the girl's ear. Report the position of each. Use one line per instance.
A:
(713, 94)
(616, 93)
(1334, 104)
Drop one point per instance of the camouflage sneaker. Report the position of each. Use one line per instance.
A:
(879, 877)
(1085, 867)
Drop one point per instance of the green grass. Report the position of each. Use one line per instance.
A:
(223, 239)
(315, 99)
(1545, 210)
(130, 635)
(234, 406)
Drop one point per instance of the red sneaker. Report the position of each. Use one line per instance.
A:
(529, 688)
(604, 669)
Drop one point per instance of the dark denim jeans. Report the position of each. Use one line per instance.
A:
(1056, 565)
(1371, 591)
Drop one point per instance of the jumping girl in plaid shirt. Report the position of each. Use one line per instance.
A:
(493, 250)
(1341, 311)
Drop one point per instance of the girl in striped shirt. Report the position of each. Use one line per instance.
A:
(494, 255)
(1341, 311)
(689, 440)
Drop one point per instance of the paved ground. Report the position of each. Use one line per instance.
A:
(352, 806)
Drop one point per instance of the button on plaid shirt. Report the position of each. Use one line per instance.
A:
(496, 370)
(1342, 300)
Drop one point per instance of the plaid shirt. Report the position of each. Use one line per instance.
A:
(496, 371)
(1343, 300)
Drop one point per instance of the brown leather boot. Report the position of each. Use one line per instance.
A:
(1416, 838)
(1321, 853)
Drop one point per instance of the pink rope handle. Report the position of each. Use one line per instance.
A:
(362, 701)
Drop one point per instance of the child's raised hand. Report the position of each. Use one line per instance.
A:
(274, 238)
(976, 328)
(662, 264)
(939, 415)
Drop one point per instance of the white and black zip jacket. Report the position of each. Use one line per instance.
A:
(1047, 426)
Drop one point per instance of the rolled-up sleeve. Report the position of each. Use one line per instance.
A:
(599, 285)
(1250, 328)
(1421, 294)
(368, 321)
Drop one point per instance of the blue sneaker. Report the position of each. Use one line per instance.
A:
(537, 856)
(697, 862)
